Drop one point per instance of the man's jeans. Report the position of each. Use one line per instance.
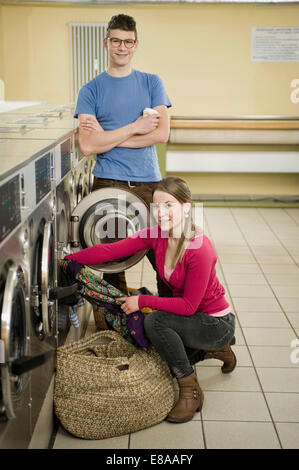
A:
(181, 340)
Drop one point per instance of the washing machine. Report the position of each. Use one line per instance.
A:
(72, 180)
(66, 201)
(46, 108)
(43, 292)
(38, 120)
(33, 253)
(17, 357)
(15, 393)
(105, 216)
(61, 168)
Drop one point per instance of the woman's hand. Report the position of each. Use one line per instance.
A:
(130, 304)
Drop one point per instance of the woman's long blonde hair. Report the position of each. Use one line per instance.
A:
(178, 188)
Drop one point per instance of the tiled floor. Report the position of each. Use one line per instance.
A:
(257, 406)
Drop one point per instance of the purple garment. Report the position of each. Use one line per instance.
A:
(135, 323)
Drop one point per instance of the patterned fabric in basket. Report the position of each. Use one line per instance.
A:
(99, 291)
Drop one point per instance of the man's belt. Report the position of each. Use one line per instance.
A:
(131, 184)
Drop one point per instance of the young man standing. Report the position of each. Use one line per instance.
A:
(110, 110)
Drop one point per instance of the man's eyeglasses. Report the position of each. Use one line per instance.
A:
(129, 43)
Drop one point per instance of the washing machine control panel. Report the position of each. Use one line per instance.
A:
(10, 207)
(42, 177)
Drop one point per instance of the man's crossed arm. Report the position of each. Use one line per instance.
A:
(143, 132)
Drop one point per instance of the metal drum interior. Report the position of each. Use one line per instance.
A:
(108, 215)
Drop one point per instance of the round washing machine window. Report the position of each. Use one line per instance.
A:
(13, 338)
(108, 215)
(43, 281)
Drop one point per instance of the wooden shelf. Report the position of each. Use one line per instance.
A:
(234, 124)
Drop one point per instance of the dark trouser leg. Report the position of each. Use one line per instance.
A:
(117, 280)
(171, 334)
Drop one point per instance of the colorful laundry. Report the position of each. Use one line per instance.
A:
(99, 291)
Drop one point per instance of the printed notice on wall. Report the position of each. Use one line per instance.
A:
(275, 45)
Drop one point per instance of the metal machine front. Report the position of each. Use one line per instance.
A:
(105, 216)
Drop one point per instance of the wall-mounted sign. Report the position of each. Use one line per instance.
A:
(275, 45)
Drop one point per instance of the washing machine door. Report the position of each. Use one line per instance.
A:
(108, 215)
(91, 175)
(13, 338)
(44, 282)
(13, 343)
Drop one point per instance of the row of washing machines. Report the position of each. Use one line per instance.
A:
(43, 178)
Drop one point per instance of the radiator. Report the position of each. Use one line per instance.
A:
(88, 55)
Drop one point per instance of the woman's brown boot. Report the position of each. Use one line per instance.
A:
(226, 355)
(190, 400)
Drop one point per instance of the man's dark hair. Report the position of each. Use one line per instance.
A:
(124, 22)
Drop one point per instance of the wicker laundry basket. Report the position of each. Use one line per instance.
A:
(105, 387)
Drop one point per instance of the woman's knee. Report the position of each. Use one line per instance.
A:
(151, 320)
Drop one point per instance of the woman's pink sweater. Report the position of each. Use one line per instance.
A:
(194, 283)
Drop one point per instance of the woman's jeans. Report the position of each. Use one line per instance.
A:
(181, 340)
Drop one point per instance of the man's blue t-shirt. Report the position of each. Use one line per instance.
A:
(117, 102)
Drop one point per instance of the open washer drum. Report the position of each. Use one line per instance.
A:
(105, 216)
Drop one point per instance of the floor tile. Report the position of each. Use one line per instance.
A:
(148, 277)
(268, 259)
(137, 268)
(233, 249)
(263, 319)
(271, 356)
(279, 268)
(283, 279)
(289, 305)
(242, 379)
(279, 379)
(169, 436)
(269, 251)
(289, 435)
(286, 291)
(236, 258)
(268, 336)
(245, 279)
(64, 440)
(235, 406)
(250, 290)
(240, 340)
(293, 213)
(293, 318)
(240, 268)
(259, 304)
(284, 406)
(240, 435)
